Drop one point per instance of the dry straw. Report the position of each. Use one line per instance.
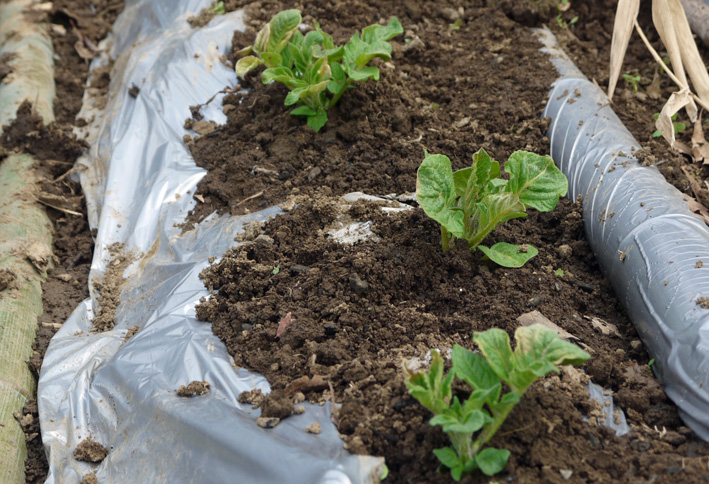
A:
(672, 26)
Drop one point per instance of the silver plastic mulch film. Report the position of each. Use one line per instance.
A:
(139, 179)
(653, 249)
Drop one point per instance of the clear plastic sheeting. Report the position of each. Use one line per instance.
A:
(653, 249)
(139, 179)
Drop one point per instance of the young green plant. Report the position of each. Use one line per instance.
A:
(315, 70)
(539, 351)
(471, 202)
(633, 82)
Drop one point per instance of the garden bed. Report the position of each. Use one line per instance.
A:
(357, 311)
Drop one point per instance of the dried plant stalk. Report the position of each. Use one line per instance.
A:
(625, 16)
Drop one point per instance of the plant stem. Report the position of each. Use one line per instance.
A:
(445, 239)
(490, 430)
(337, 97)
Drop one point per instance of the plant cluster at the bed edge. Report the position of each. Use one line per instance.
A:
(539, 351)
(316, 71)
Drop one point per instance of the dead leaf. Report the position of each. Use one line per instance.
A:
(653, 90)
(83, 51)
(283, 325)
(625, 16)
(700, 149)
(697, 208)
(602, 326)
(676, 29)
(535, 317)
(693, 183)
(677, 101)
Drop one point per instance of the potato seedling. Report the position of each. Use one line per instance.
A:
(633, 82)
(539, 351)
(471, 202)
(315, 70)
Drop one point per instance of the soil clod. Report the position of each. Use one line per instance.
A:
(193, 389)
(89, 450)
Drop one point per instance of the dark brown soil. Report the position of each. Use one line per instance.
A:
(80, 19)
(427, 98)
(352, 313)
(57, 149)
(359, 311)
(356, 312)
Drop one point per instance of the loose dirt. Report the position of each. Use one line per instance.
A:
(354, 313)
(357, 311)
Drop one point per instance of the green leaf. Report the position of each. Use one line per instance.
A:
(473, 369)
(509, 255)
(364, 73)
(376, 32)
(480, 397)
(338, 79)
(510, 398)
(537, 343)
(278, 74)
(460, 179)
(483, 171)
(491, 460)
(261, 42)
(495, 346)
(246, 64)
(430, 388)
(536, 179)
(271, 59)
(381, 50)
(318, 120)
(294, 96)
(303, 111)
(469, 423)
(435, 191)
(282, 27)
(447, 456)
(490, 212)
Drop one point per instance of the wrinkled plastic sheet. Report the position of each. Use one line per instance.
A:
(139, 178)
(647, 241)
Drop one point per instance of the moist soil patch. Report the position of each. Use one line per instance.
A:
(448, 91)
(349, 315)
(357, 312)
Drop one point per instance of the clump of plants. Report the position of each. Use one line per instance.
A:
(471, 202)
(315, 70)
(471, 424)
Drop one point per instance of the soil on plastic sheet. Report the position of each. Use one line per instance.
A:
(75, 26)
(349, 315)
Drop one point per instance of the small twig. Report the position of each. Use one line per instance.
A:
(255, 195)
(516, 430)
